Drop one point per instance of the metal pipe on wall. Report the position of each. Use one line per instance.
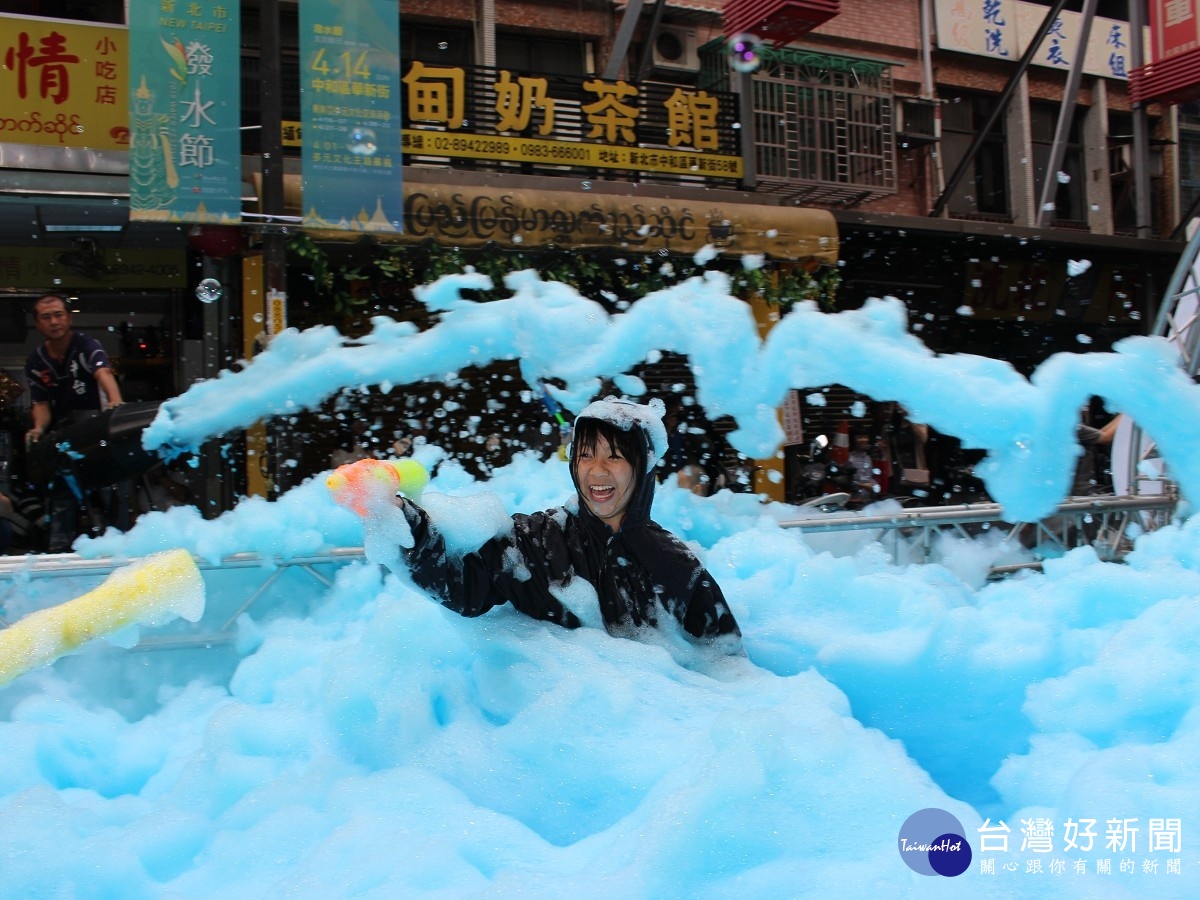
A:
(1141, 143)
(929, 92)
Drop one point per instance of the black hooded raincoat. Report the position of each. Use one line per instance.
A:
(639, 572)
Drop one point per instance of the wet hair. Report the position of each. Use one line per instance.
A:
(630, 444)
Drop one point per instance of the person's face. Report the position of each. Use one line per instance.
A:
(606, 482)
(52, 319)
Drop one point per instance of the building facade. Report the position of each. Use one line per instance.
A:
(899, 146)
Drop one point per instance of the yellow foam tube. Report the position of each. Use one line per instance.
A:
(358, 485)
(152, 590)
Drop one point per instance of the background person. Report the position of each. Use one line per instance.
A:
(1086, 479)
(355, 444)
(6, 525)
(863, 466)
(695, 453)
(68, 373)
(906, 442)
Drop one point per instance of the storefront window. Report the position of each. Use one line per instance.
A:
(984, 188)
(1070, 194)
(530, 53)
(1189, 157)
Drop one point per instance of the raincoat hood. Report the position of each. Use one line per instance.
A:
(645, 420)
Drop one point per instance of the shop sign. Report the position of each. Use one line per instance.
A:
(522, 120)
(41, 268)
(1174, 27)
(64, 84)
(566, 153)
(1003, 29)
(525, 219)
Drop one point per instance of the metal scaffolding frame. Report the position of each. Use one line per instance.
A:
(1101, 522)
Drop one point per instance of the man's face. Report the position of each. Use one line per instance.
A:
(52, 319)
(606, 481)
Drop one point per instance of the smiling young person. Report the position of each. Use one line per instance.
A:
(640, 573)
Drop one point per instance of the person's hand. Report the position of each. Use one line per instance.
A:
(32, 436)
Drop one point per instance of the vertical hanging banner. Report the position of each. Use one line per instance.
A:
(350, 114)
(185, 142)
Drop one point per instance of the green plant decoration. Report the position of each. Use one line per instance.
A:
(343, 279)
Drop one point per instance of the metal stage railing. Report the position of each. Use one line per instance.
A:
(16, 571)
(907, 534)
(1102, 522)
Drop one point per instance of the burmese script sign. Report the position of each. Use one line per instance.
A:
(65, 84)
(524, 219)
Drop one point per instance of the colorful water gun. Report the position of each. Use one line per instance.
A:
(368, 484)
(564, 427)
(152, 590)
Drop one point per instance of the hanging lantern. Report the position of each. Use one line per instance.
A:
(777, 21)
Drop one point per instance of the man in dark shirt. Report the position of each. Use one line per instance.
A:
(68, 373)
(1086, 479)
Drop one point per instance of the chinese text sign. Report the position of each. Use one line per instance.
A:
(185, 154)
(65, 84)
(350, 111)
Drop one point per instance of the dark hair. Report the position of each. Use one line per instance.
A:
(630, 444)
(59, 297)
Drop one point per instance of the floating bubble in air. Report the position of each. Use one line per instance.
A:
(744, 52)
(209, 290)
(361, 141)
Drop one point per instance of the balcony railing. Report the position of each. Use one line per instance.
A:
(824, 125)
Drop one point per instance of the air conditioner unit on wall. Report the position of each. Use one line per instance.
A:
(916, 122)
(676, 49)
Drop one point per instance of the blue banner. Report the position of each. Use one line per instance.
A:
(350, 113)
(185, 116)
